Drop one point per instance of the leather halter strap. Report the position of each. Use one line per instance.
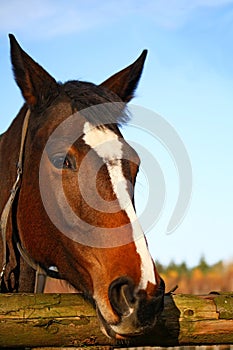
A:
(40, 272)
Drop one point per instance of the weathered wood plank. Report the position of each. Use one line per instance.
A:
(47, 319)
(50, 320)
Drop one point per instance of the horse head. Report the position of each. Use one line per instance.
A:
(75, 207)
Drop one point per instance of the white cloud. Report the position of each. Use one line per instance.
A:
(47, 18)
(175, 13)
(15, 14)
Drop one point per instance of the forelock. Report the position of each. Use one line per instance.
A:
(97, 104)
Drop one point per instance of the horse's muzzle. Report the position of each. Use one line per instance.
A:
(137, 311)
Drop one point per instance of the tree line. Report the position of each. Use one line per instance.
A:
(202, 278)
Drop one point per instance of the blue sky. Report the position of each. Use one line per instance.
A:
(188, 80)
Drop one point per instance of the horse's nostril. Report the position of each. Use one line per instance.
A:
(121, 295)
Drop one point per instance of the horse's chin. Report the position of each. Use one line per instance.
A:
(106, 328)
(122, 331)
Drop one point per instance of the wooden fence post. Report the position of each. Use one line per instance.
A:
(37, 320)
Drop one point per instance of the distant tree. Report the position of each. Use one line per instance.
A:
(218, 266)
(172, 266)
(203, 266)
(183, 268)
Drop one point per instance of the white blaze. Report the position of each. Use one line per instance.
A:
(108, 147)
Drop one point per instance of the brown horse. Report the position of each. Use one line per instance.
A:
(70, 214)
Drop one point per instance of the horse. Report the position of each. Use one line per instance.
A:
(67, 196)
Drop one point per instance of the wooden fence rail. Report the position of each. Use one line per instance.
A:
(64, 320)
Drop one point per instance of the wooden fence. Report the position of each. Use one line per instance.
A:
(66, 320)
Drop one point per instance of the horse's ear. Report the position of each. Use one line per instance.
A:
(125, 82)
(34, 82)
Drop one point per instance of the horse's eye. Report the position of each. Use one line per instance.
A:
(61, 162)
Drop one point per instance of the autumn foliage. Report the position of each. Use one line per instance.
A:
(200, 279)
